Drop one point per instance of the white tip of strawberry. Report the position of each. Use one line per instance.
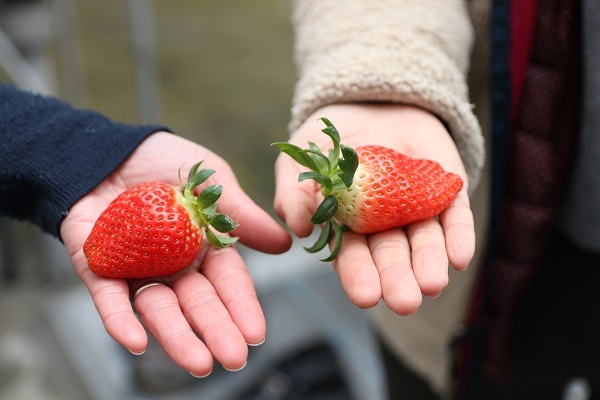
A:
(334, 171)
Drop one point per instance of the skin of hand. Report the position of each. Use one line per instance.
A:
(210, 309)
(400, 265)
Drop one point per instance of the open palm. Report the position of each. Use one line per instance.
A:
(399, 265)
(210, 309)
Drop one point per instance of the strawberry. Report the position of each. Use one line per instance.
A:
(153, 229)
(371, 189)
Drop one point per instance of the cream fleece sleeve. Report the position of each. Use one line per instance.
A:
(405, 51)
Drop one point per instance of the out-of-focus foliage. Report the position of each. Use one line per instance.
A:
(226, 75)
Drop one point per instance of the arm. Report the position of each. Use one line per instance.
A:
(408, 52)
(52, 155)
(388, 73)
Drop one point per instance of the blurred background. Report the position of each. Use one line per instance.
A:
(220, 73)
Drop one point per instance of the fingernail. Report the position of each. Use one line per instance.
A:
(257, 344)
(137, 354)
(201, 376)
(237, 369)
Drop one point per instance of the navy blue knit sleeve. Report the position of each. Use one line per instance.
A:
(52, 154)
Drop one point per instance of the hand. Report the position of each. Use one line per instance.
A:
(400, 265)
(214, 298)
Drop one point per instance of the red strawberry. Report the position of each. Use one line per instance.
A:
(371, 189)
(153, 229)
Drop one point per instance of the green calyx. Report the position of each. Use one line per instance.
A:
(333, 173)
(203, 208)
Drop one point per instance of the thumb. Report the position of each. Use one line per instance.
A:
(295, 202)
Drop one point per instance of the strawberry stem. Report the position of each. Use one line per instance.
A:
(325, 211)
(333, 172)
(203, 208)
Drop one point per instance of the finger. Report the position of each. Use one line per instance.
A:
(205, 311)
(295, 202)
(273, 238)
(391, 253)
(459, 228)
(357, 272)
(112, 301)
(233, 284)
(429, 259)
(159, 309)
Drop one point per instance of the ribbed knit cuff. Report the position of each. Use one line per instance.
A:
(53, 154)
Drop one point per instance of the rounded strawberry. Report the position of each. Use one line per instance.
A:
(153, 229)
(371, 189)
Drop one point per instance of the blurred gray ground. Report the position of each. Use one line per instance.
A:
(225, 78)
(53, 345)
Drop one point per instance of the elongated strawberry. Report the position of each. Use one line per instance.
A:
(371, 189)
(153, 229)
